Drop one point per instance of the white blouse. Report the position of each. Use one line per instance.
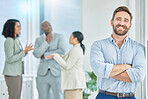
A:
(73, 76)
(19, 43)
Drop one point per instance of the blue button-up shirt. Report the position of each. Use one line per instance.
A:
(106, 53)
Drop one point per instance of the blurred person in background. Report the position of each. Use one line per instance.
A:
(14, 54)
(49, 72)
(73, 76)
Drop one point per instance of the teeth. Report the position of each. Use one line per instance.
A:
(120, 27)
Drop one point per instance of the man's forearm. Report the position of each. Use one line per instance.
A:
(117, 69)
(122, 77)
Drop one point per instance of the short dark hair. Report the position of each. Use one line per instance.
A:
(9, 28)
(122, 8)
(80, 37)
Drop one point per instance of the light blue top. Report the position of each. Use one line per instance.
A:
(105, 53)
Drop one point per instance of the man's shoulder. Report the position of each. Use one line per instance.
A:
(101, 43)
(102, 40)
(135, 44)
(57, 34)
(42, 36)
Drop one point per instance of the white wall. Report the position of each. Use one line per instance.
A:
(146, 43)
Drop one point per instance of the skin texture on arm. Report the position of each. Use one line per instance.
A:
(123, 77)
(119, 72)
(117, 69)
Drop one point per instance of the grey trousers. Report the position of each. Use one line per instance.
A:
(14, 84)
(47, 82)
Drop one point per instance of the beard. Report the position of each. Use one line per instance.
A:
(126, 29)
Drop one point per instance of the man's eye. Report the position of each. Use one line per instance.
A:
(118, 19)
(126, 20)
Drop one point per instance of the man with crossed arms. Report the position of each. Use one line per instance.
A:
(118, 61)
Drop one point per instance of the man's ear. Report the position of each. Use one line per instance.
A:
(130, 25)
(111, 22)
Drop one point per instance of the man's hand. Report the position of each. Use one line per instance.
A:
(123, 77)
(49, 37)
(117, 69)
(128, 66)
(42, 57)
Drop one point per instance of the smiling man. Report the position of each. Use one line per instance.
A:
(118, 61)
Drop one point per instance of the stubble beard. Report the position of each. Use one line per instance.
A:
(120, 34)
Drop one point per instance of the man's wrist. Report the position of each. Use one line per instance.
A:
(42, 57)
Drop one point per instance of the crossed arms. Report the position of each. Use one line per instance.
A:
(119, 72)
(123, 72)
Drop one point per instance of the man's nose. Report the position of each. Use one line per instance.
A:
(122, 22)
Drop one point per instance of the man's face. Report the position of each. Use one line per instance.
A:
(46, 27)
(121, 23)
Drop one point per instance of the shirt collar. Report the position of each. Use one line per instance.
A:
(111, 39)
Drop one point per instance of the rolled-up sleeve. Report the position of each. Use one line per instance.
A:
(100, 68)
(138, 71)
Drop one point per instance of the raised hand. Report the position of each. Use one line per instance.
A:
(28, 48)
(42, 57)
(49, 37)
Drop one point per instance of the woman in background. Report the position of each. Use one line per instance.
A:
(73, 76)
(14, 54)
